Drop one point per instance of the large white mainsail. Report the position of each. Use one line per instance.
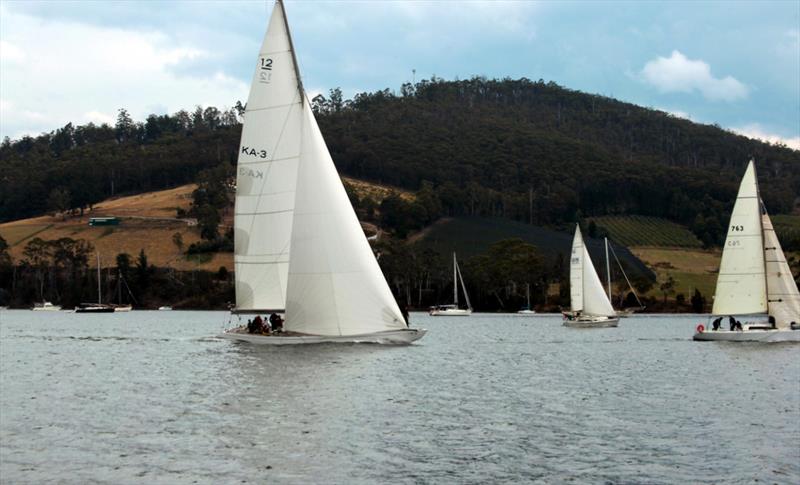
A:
(267, 172)
(335, 284)
(742, 284)
(783, 296)
(586, 290)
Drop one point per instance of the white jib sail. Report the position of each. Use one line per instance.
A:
(335, 284)
(782, 294)
(576, 272)
(266, 173)
(595, 300)
(741, 284)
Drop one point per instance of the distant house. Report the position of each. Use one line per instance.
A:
(104, 221)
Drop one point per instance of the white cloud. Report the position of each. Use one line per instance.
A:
(756, 131)
(68, 68)
(99, 118)
(680, 74)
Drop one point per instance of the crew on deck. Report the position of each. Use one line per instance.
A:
(277, 322)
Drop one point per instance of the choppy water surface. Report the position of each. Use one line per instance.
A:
(150, 397)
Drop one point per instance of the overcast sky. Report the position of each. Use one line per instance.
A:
(733, 63)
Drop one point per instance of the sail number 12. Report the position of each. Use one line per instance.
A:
(265, 70)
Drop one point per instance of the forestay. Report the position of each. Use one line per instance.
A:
(267, 172)
(335, 284)
(741, 284)
(782, 293)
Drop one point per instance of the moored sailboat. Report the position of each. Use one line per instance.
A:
(754, 281)
(299, 248)
(589, 305)
(527, 310)
(98, 307)
(453, 309)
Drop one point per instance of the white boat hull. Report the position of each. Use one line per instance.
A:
(592, 322)
(52, 308)
(451, 312)
(526, 312)
(748, 336)
(389, 337)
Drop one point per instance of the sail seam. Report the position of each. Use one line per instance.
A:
(263, 213)
(272, 107)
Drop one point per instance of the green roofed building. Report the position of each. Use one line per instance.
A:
(104, 221)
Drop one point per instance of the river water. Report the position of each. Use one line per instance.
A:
(152, 397)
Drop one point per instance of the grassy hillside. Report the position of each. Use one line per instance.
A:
(647, 231)
(149, 222)
(690, 268)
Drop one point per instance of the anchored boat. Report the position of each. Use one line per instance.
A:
(299, 248)
(453, 310)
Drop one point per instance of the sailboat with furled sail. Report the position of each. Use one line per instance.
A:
(299, 248)
(754, 280)
(590, 306)
(453, 310)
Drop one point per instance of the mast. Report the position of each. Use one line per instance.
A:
(608, 270)
(294, 56)
(761, 211)
(455, 279)
(528, 294)
(464, 288)
(99, 290)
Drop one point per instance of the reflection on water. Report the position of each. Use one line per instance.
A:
(153, 397)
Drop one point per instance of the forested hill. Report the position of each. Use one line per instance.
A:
(524, 150)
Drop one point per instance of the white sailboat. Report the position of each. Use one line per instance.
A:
(98, 307)
(453, 310)
(754, 279)
(590, 306)
(299, 248)
(45, 306)
(527, 310)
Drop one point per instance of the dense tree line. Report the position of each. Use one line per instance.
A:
(73, 168)
(520, 149)
(59, 271)
(537, 152)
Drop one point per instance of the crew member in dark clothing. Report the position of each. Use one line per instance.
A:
(404, 311)
(258, 324)
(717, 322)
(739, 325)
(250, 327)
(771, 321)
(732, 322)
(276, 321)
